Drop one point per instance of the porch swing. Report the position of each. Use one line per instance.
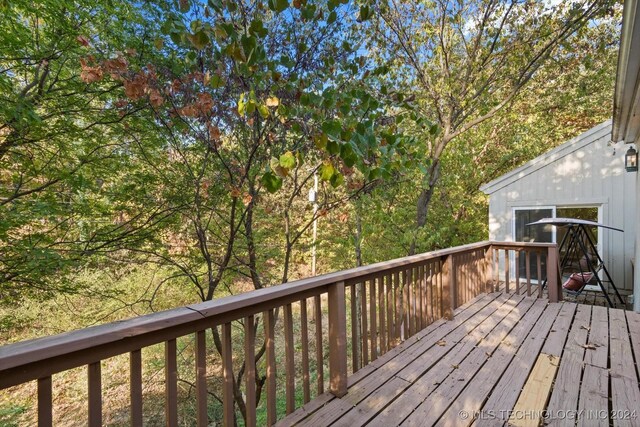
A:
(578, 243)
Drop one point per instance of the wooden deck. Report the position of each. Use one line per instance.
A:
(503, 360)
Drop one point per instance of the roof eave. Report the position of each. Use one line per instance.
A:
(626, 104)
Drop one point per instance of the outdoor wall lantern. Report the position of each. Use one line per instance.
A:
(631, 160)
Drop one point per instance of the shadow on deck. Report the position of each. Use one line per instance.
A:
(504, 358)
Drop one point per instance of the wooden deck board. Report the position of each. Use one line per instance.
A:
(482, 362)
(438, 402)
(477, 390)
(462, 313)
(593, 407)
(533, 399)
(557, 318)
(625, 392)
(566, 390)
(424, 385)
(425, 354)
(401, 357)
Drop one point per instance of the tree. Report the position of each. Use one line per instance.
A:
(465, 61)
(57, 141)
(247, 101)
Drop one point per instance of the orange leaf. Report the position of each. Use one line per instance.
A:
(155, 98)
(83, 41)
(90, 74)
(246, 199)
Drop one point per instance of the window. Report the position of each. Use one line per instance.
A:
(525, 233)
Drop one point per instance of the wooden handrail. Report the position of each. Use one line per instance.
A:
(458, 274)
(131, 334)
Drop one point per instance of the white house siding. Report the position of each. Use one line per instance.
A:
(587, 170)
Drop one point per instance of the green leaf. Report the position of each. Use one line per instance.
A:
(288, 160)
(216, 81)
(332, 128)
(326, 171)
(242, 105)
(336, 180)
(332, 17)
(348, 155)
(199, 40)
(176, 37)
(257, 28)
(333, 147)
(365, 13)
(271, 182)
(263, 110)
(278, 5)
(320, 141)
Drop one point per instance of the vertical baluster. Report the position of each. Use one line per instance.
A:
(290, 369)
(306, 388)
(95, 395)
(171, 383)
(437, 297)
(527, 266)
(429, 291)
(228, 403)
(415, 299)
(250, 369)
(507, 276)
(463, 284)
(488, 270)
(135, 387)
(373, 320)
(269, 334)
(45, 402)
(495, 268)
(381, 313)
(389, 307)
(319, 348)
(201, 379)
(337, 340)
(398, 307)
(517, 261)
(476, 274)
(448, 287)
(409, 303)
(355, 359)
(406, 285)
(365, 327)
(421, 305)
(466, 283)
(539, 268)
(553, 275)
(412, 301)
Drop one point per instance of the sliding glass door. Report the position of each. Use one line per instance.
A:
(532, 233)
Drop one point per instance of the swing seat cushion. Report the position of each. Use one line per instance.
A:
(577, 281)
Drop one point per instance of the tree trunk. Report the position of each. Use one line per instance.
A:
(424, 201)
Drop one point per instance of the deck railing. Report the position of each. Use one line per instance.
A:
(353, 315)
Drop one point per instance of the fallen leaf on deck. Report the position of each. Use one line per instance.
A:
(442, 343)
(454, 366)
(590, 346)
(585, 328)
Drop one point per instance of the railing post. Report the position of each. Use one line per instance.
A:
(337, 340)
(448, 287)
(488, 269)
(553, 275)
